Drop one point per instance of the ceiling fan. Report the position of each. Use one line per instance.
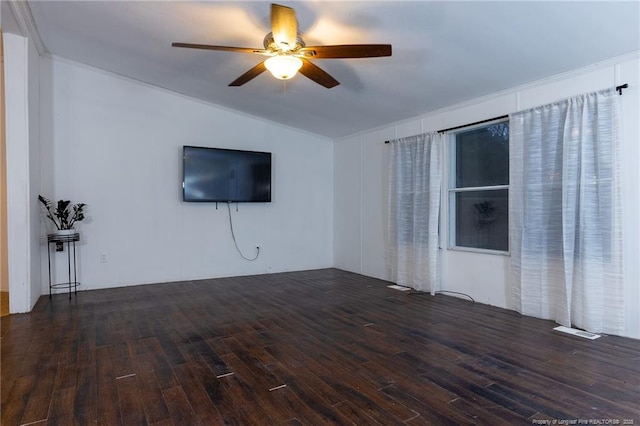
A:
(288, 53)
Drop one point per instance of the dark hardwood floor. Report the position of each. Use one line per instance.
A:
(315, 347)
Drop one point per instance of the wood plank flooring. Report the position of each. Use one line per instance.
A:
(312, 348)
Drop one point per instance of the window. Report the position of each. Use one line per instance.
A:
(479, 188)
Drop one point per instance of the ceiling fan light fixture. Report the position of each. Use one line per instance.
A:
(283, 67)
(289, 54)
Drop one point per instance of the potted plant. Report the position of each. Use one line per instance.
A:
(63, 214)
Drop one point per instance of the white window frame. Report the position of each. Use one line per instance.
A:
(448, 201)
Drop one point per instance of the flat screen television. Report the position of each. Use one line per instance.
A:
(225, 175)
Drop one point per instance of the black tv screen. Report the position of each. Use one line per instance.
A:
(226, 175)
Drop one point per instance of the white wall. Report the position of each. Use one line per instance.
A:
(23, 166)
(33, 77)
(116, 145)
(360, 191)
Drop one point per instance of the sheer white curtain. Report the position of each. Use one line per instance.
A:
(415, 174)
(566, 216)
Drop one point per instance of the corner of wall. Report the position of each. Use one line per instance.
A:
(33, 99)
(23, 175)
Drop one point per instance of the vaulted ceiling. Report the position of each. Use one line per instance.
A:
(443, 52)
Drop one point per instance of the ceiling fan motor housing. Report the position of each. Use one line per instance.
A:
(270, 44)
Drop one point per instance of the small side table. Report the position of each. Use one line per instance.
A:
(70, 239)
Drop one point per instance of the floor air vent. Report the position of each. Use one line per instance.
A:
(399, 287)
(575, 332)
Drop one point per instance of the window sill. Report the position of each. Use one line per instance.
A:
(480, 251)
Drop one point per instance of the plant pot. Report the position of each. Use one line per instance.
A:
(65, 232)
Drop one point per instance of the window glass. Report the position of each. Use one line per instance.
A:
(482, 219)
(482, 156)
(479, 189)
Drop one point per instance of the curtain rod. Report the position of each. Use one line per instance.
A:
(618, 88)
(622, 86)
(469, 124)
(473, 124)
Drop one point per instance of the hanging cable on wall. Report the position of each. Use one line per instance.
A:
(233, 235)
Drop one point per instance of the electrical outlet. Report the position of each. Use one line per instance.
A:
(103, 258)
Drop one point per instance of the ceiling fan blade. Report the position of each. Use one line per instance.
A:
(224, 48)
(317, 74)
(284, 26)
(346, 51)
(249, 75)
